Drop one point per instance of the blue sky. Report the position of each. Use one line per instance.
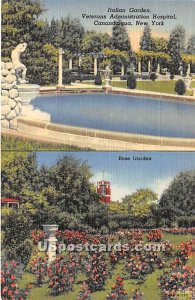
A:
(128, 176)
(184, 10)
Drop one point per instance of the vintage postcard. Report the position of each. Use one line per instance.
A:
(98, 150)
(99, 76)
(98, 225)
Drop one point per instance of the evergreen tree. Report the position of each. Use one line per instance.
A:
(120, 38)
(55, 34)
(176, 46)
(191, 45)
(131, 81)
(180, 87)
(71, 33)
(146, 42)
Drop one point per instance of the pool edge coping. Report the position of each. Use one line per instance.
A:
(65, 133)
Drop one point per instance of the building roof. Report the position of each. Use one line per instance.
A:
(9, 200)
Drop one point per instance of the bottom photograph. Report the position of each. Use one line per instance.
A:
(98, 225)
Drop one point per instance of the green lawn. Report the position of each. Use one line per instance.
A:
(192, 84)
(21, 144)
(152, 86)
(149, 287)
(166, 86)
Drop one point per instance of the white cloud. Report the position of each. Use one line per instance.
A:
(159, 185)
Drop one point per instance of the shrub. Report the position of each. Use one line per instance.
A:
(180, 87)
(67, 77)
(98, 79)
(84, 293)
(62, 274)
(131, 81)
(38, 267)
(153, 76)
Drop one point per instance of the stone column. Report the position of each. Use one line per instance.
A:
(51, 240)
(80, 61)
(70, 64)
(95, 65)
(139, 66)
(158, 69)
(123, 70)
(189, 69)
(149, 66)
(60, 68)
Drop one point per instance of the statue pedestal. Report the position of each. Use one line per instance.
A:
(60, 87)
(28, 92)
(107, 88)
(51, 240)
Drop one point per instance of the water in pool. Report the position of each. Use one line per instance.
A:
(121, 113)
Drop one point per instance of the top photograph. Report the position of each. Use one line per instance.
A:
(106, 75)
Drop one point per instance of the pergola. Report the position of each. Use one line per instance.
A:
(150, 56)
(124, 56)
(188, 59)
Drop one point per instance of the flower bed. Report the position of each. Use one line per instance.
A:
(84, 293)
(37, 236)
(179, 279)
(38, 266)
(62, 274)
(154, 235)
(9, 283)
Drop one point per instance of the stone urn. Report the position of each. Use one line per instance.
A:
(51, 240)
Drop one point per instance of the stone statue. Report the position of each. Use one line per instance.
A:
(108, 71)
(19, 67)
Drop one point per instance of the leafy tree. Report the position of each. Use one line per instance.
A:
(160, 44)
(178, 200)
(69, 183)
(176, 46)
(16, 227)
(139, 203)
(146, 42)
(87, 64)
(19, 20)
(117, 207)
(18, 173)
(97, 215)
(93, 42)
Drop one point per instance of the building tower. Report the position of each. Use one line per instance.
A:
(104, 190)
